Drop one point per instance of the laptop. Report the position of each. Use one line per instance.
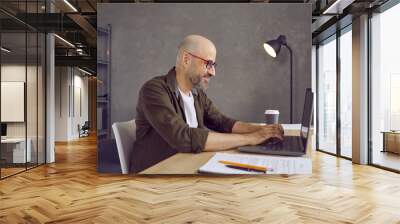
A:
(291, 145)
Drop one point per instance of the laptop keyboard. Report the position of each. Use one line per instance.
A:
(289, 143)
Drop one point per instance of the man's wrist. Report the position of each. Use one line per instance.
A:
(248, 138)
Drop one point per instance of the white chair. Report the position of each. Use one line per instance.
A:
(125, 136)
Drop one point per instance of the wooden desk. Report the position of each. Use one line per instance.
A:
(188, 163)
(13, 150)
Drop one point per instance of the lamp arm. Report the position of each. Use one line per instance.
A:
(291, 82)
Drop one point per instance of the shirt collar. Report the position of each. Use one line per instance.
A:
(173, 85)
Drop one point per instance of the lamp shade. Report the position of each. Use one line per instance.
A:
(272, 47)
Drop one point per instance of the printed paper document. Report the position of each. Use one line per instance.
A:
(274, 164)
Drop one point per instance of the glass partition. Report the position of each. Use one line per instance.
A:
(385, 89)
(41, 91)
(346, 93)
(327, 96)
(31, 99)
(13, 105)
(22, 78)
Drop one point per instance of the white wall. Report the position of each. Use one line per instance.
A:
(70, 83)
(61, 103)
(16, 73)
(79, 117)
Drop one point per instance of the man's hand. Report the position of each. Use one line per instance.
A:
(222, 141)
(274, 131)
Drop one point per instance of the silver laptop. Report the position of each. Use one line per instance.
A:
(291, 145)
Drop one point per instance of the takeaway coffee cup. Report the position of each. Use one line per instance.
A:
(271, 116)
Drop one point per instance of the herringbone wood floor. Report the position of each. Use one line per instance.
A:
(71, 191)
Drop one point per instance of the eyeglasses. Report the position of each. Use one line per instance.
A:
(209, 63)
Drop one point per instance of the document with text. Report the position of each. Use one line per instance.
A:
(274, 164)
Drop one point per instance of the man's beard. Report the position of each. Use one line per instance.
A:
(197, 82)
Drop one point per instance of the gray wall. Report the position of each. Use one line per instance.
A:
(248, 81)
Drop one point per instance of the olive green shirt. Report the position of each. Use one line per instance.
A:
(161, 124)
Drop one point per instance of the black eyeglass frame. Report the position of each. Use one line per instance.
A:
(209, 63)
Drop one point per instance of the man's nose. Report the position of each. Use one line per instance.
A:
(211, 71)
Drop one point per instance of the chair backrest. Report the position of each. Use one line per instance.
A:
(125, 136)
(86, 125)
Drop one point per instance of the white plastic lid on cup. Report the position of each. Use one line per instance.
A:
(271, 112)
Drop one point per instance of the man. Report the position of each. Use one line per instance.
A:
(173, 112)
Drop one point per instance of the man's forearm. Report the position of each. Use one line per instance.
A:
(221, 141)
(257, 134)
(243, 127)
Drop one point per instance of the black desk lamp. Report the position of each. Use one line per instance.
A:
(273, 47)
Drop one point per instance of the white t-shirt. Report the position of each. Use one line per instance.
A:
(190, 111)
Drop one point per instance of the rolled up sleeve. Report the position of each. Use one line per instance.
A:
(215, 120)
(160, 113)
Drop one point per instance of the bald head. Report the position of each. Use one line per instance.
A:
(193, 69)
(195, 44)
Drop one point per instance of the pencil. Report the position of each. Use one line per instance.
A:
(245, 169)
(245, 166)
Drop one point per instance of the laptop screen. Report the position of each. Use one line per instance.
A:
(307, 116)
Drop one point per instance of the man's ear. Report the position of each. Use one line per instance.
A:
(186, 59)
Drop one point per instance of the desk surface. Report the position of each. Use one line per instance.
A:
(13, 140)
(188, 163)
